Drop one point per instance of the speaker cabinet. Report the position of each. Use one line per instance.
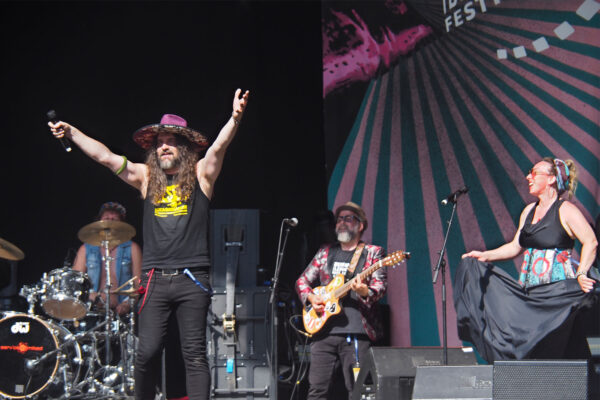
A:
(237, 228)
(541, 379)
(468, 382)
(389, 372)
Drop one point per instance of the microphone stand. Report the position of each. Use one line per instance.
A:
(441, 264)
(273, 303)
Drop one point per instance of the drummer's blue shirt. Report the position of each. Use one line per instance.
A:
(93, 261)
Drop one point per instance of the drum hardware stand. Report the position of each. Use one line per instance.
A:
(107, 285)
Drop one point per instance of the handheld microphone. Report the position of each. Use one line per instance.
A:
(452, 197)
(63, 140)
(291, 221)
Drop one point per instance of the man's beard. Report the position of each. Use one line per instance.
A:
(346, 236)
(168, 163)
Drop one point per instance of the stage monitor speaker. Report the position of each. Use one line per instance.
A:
(541, 379)
(594, 378)
(389, 372)
(454, 382)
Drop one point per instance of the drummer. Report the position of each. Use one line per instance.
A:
(126, 262)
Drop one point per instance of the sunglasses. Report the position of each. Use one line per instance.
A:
(347, 219)
(535, 173)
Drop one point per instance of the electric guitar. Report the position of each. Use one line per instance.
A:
(336, 289)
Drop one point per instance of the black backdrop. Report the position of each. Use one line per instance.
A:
(110, 68)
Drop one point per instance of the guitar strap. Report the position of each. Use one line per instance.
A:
(354, 261)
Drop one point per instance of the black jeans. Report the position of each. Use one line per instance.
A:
(189, 302)
(324, 352)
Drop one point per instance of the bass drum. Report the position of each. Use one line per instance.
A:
(37, 357)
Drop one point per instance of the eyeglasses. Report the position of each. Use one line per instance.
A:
(535, 173)
(347, 218)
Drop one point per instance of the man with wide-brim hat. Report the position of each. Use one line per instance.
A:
(176, 184)
(170, 123)
(343, 338)
(358, 212)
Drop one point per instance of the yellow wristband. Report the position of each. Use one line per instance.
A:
(117, 172)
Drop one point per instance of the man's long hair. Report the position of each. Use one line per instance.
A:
(185, 179)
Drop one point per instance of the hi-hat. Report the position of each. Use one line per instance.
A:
(9, 251)
(114, 232)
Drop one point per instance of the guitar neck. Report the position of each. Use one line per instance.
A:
(345, 288)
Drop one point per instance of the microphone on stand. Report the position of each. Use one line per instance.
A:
(452, 197)
(63, 140)
(291, 221)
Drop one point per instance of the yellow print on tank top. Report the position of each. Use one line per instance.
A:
(171, 204)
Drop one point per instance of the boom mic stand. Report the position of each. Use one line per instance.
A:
(441, 264)
(273, 303)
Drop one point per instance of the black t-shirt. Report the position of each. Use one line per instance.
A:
(348, 321)
(176, 231)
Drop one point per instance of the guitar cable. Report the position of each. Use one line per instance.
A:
(300, 331)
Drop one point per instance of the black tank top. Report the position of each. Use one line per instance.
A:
(548, 233)
(176, 231)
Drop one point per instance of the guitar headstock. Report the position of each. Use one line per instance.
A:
(395, 258)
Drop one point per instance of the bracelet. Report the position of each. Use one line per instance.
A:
(235, 121)
(580, 273)
(117, 172)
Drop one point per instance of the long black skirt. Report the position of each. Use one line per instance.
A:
(506, 321)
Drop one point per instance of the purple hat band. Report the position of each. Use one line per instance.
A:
(172, 119)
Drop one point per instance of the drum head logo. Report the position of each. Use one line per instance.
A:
(20, 327)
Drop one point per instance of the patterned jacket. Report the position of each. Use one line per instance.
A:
(316, 274)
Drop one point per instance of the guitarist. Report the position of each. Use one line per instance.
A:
(345, 337)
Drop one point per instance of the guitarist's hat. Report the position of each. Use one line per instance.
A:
(356, 209)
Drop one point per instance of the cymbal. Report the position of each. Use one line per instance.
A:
(115, 232)
(128, 292)
(9, 251)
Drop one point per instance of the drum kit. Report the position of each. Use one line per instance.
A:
(63, 347)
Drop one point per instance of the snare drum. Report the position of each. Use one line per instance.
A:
(24, 340)
(66, 294)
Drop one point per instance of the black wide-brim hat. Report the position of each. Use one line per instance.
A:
(145, 137)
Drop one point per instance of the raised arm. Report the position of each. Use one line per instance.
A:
(132, 173)
(506, 251)
(209, 167)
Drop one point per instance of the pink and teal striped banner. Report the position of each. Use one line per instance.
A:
(455, 113)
